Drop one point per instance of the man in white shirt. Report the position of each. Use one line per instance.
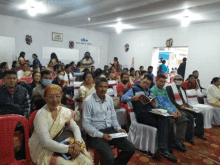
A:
(99, 121)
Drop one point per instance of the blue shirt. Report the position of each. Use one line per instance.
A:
(163, 100)
(164, 68)
(152, 75)
(98, 115)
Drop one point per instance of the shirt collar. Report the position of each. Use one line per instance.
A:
(159, 89)
(97, 98)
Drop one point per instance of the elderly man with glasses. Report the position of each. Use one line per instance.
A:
(143, 115)
(178, 97)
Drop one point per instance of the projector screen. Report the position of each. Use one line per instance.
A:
(64, 55)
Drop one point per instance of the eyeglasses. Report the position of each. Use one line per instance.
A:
(146, 83)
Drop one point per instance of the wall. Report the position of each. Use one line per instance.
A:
(202, 39)
(42, 37)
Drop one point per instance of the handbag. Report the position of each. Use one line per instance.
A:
(116, 102)
(64, 133)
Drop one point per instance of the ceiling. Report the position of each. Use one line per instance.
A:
(141, 14)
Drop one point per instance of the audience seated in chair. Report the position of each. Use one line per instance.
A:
(99, 120)
(44, 144)
(178, 98)
(213, 92)
(143, 115)
(56, 69)
(178, 121)
(24, 72)
(142, 74)
(196, 75)
(3, 67)
(15, 66)
(106, 71)
(14, 98)
(36, 76)
(88, 86)
(132, 77)
(86, 62)
(37, 98)
(149, 72)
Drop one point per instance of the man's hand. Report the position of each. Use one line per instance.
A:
(106, 137)
(178, 113)
(153, 102)
(122, 130)
(23, 81)
(68, 97)
(174, 114)
(182, 107)
(135, 98)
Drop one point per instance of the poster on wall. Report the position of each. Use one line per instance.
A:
(28, 39)
(57, 37)
(126, 47)
(71, 44)
(169, 43)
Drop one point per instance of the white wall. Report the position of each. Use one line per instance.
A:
(42, 37)
(202, 39)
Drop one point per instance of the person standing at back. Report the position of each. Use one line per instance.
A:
(182, 68)
(164, 67)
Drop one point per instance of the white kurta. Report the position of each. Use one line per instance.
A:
(213, 93)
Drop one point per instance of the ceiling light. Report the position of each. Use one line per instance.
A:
(185, 21)
(32, 11)
(89, 19)
(34, 7)
(119, 27)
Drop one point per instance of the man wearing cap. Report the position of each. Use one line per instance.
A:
(178, 98)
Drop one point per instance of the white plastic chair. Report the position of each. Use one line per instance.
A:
(143, 137)
(121, 116)
(216, 110)
(206, 110)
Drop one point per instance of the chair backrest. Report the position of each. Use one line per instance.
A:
(133, 117)
(27, 79)
(31, 120)
(192, 96)
(7, 129)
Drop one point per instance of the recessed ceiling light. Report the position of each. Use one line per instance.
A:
(89, 19)
(119, 27)
(185, 21)
(34, 7)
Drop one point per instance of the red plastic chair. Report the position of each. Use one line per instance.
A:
(7, 129)
(27, 79)
(31, 120)
(0, 82)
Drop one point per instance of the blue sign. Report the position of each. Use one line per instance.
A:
(84, 40)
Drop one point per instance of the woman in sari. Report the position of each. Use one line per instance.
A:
(132, 77)
(48, 122)
(114, 75)
(190, 83)
(88, 86)
(213, 92)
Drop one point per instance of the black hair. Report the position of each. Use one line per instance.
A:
(35, 55)
(22, 54)
(105, 66)
(142, 72)
(45, 72)
(141, 67)
(14, 64)
(102, 79)
(150, 67)
(97, 72)
(123, 75)
(85, 73)
(92, 66)
(131, 69)
(184, 59)
(72, 63)
(191, 75)
(86, 53)
(34, 74)
(67, 66)
(161, 76)
(78, 64)
(60, 72)
(53, 55)
(9, 72)
(164, 61)
(116, 58)
(214, 80)
(42, 67)
(148, 77)
(195, 71)
(126, 69)
(24, 64)
(55, 67)
(86, 70)
(3, 64)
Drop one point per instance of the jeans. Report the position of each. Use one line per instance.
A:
(104, 148)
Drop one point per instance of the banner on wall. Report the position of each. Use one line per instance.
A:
(84, 42)
(132, 63)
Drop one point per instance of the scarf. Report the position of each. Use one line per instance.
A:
(177, 95)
